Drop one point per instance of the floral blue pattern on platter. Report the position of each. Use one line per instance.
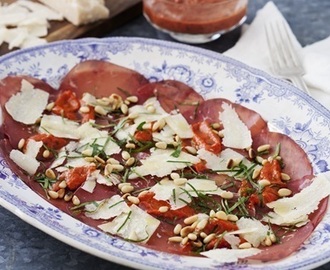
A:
(286, 109)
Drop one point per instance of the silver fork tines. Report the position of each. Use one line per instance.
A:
(286, 63)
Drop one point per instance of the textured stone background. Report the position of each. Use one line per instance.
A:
(25, 247)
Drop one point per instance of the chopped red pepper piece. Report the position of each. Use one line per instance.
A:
(67, 104)
(76, 176)
(204, 137)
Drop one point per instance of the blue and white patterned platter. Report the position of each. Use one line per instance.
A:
(287, 110)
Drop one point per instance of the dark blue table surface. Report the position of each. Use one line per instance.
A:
(25, 247)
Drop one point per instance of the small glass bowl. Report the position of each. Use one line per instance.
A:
(195, 21)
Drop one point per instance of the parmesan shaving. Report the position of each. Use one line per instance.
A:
(223, 255)
(294, 210)
(235, 132)
(30, 101)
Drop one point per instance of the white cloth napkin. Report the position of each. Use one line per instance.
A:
(252, 49)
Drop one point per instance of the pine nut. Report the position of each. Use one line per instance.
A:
(61, 193)
(161, 145)
(127, 189)
(68, 196)
(163, 209)
(174, 175)
(87, 152)
(262, 148)
(175, 239)
(112, 161)
(197, 244)
(133, 199)
(202, 224)
(284, 192)
(142, 193)
(146, 126)
(133, 99)
(117, 167)
(125, 155)
(124, 108)
(191, 150)
(212, 213)
(221, 215)
(21, 143)
(192, 236)
(133, 115)
(209, 238)
(202, 234)
(256, 173)
(252, 153)
(121, 185)
(267, 241)
(190, 220)
(232, 217)
(75, 200)
(62, 184)
(50, 173)
(151, 108)
(130, 161)
(46, 154)
(50, 106)
(272, 237)
(285, 177)
(177, 229)
(227, 195)
(53, 194)
(184, 241)
(180, 181)
(264, 182)
(130, 146)
(186, 230)
(259, 159)
(100, 110)
(100, 160)
(245, 245)
(108, 169)
(84, 109)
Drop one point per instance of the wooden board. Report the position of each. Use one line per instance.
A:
(121, 11)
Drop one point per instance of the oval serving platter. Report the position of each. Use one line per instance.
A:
(286, 108)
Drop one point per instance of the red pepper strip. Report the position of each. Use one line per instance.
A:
(76, 176)
(143, 135)
(151, 205)
(50, 141)
(204, 137)
(66, 105)
(219, 226)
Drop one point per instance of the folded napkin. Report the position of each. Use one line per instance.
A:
(252, 49)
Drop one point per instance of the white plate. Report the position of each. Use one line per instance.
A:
(286, 109)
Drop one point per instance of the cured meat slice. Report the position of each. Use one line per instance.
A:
(296, 162)
(175, 95)
(209, 110)
(101, 78)
(11, 129)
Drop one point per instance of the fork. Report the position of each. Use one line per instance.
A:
(285, 60)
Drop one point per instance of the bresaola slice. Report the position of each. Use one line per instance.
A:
(101, 78)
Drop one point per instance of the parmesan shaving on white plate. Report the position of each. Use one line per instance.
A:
(295, 210)
(235, 132)
(30, 101)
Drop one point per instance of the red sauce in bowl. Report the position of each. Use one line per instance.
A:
(195, 16)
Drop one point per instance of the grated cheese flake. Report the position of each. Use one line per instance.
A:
(224, 255)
